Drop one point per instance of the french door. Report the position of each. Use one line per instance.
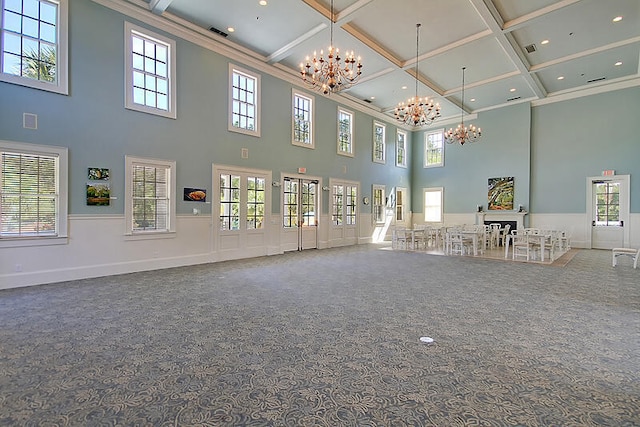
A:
(344, 213)
(242, 198)
(299, 214)
(608, 211)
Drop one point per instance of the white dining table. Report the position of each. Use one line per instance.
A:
(542, 240)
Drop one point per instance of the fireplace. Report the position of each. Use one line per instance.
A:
(516, 219)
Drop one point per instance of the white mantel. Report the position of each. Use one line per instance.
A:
(481, 217)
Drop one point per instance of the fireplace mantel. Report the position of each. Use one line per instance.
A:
(518, 217)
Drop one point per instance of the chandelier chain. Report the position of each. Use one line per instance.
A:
(462, 134)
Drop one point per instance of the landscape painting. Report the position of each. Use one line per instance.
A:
(501, 193)
(98, 187)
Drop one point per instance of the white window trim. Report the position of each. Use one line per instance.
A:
(311, 99)
(130, 28)
(351, 133)
(426, 138)
(62, 35)
(424, 199)
(128, 204)
(384, 203)
(384, 143)
(234, 68)
(398, 133)
(63, 194)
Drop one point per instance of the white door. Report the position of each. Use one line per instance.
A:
(344, 213)
(242, 200)
(300, 220)
(609, 211)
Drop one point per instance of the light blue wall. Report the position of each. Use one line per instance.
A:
(503, 151)
(99, 131)
(579, 138)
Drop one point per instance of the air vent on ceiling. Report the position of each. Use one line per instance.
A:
(513, 99)
(217, 31)
(531, 48)
(368, 101)
(596, 80)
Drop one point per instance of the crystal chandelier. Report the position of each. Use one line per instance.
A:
(417, 111)
(462, 134)
(329, 75)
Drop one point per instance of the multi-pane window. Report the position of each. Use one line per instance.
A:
(433, 204)
(255, 202)
(308, 203)
(32, 191)
(150, 194)
(290, 202)
(378, 204)
(608, 203)
(229, 202)
(337, 205)
(399, 204)
(33, 41)
(150, 72)
(434, 149)
(345, 132)
(379, 144)
(351, 199)
(302, 120)
(244, 106)
(401, 149)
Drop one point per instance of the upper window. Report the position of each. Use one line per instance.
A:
(244, 105)
(150, 72)
(33, 43)
(379, 144)
(33, 194)
(401, 149)
(302, 120)
(433, 204)
(150, 196)
(345, 132)
(434, 149)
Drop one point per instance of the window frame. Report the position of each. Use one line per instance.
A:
(62, 178)
(382, 206)
(234, 69)
(61, 86)
(351, 150)
(298, 94)
(403, 163)
(129, 31)
(383, 143)
(426, 162)
(170, 165)
(440, 191)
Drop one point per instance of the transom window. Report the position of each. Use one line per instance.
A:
(33, 43)
(345, 132)
(302, 120)
(379, 144)
(150, 72)
(434, 149)
(401, 149)
(150, 194)
(433, 204)
(244, 105)
(33, 191)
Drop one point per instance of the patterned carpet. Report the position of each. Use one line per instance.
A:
(329, 338)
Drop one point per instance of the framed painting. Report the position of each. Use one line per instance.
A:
(501, 194)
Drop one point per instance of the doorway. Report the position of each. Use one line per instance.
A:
(300, 214)
(608, 211)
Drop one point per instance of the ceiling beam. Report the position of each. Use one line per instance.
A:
(159, 6)
(521, 21)
(284, 51)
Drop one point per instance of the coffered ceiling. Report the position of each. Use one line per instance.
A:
(513, 50)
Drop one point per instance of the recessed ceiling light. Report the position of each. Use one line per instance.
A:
(404, 87)
(544, 41)
(618, 63)
(373, 97)
(617, 19)
(472, 100)
(231, 29)
(513, 89)
(262, 2)
(560, 77)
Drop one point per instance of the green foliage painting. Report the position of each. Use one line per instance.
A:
(501, 193)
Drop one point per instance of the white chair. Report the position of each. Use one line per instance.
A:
(630, 252)
(400, 238)
(520, 244)
(505, 233)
